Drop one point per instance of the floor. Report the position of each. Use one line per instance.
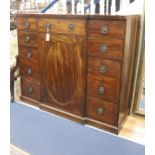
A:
(134, 129)
(17, 151)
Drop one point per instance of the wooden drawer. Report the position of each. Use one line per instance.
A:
(107, 28)
(28, 38)
(26, 23)
(29, 70)
(63, 26)
(104, 69)
(102, 111)
(103, 89)
(30, 89)
(106, 48)
(29, 54)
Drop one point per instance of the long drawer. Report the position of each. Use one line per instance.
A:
(62, 26)
(29, 70)
(107, 48)
(102, 111)
(103, 89)
(104, 69)
(30, 89)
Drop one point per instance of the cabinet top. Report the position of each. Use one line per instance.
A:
(78, 16)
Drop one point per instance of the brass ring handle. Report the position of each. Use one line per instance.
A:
(29, 54)
(29, 71)
(100, 111)
(102, 69)
(71, 26)
(103, 48)
(27, 25)
(30, 90)
(101, 90)
(104, 29)
(27, 39)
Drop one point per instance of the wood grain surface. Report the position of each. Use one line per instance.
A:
(32, 24)
(63, 72)
(33, 38)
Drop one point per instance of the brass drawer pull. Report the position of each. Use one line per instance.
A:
(100, 111)
(29, 71)
(102, 69)
(29, 54)
(71, 26)
(101, 90)
(103, 48)
(104, 29)
(27, 39)
(26, 25)
(30, 90)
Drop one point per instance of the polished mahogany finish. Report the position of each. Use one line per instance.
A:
(29, 70)
(102, 111)
(104, 69)
(106, 48)
(103, 89)
(78, 66)
(27, 23)
(28, 39)
(62, 26)
(63, 72)
(31, 55)
(30, 89)
(106, 28)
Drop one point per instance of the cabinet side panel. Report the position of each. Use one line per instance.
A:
(130, 49)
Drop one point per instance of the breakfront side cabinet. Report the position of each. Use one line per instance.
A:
(78, 66)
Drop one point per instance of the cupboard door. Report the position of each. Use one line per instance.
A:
(63, 72)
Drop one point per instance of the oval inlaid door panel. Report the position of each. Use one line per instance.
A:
(64, 73)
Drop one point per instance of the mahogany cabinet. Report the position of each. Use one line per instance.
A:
(78, 66)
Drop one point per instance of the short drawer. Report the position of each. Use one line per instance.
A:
(106, 48)
(29, 70)
(107, 28)
(26, 23)
(104, 69)
(30, 89)
(102, 111)
(29, 54)
(28, 38)
(103, 89)
(62, 26)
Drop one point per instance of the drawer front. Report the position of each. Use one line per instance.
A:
(105, 48)
(30, 71)
(104, 69)
(106, 28)
(103, 89)
(102, 111)
(30, 89)
(29, 54)
(63, 26)
(26, 23)
(28, 38)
